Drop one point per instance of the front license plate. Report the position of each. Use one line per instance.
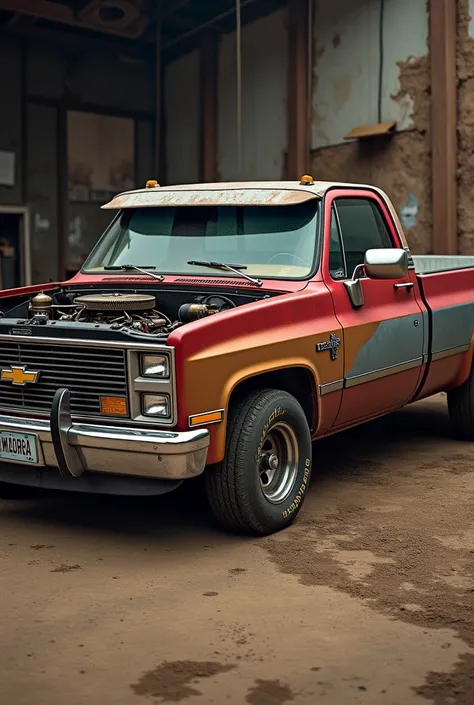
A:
(19, 447)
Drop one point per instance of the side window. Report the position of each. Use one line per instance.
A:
(363, 228)
(337, 264)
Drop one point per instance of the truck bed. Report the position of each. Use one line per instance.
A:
(447, 290)
(431, 264)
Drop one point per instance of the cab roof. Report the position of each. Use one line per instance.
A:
(245, 193)
(240, 193)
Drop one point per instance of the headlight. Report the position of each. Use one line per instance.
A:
(157, 405)
(157, 366)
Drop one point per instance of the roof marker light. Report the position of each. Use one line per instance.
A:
(306, 180)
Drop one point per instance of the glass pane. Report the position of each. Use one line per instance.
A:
(268, 240)
(362, 228)
(336, 257)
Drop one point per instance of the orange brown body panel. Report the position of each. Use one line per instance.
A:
(235, 346)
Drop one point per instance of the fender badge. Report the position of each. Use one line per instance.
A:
(332, 344)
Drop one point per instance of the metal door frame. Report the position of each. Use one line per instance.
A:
(25, 240)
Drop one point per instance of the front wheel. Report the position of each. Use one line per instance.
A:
(261, 484)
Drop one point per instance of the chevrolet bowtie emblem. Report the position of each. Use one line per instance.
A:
(19, 376)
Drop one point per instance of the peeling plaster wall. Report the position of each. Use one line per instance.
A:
(264, 100)
(465, 126)
(182, 109)
(345, 95)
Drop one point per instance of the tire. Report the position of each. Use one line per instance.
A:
(249, 492)
(461, 409)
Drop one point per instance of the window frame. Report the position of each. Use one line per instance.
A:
(373, 202)
(341, 243)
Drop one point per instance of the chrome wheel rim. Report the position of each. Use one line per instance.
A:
(278, 463)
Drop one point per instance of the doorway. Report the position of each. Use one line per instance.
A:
(14, 248)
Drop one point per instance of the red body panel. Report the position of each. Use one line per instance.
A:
(382, 304)
(451, 292)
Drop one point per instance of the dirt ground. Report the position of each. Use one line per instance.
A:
(368, 599)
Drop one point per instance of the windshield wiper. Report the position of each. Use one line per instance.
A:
(143, 270)
(235, 268)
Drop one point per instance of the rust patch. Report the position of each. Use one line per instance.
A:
(240, 194)
(269, 692)
(171, 681)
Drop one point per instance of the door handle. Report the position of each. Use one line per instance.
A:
(408, 286)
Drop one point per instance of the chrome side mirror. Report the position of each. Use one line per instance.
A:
(388, 263)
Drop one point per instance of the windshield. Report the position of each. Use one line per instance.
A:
(269, 241)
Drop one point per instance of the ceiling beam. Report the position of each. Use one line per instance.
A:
(205, 24)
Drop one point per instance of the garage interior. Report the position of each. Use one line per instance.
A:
(104, 94)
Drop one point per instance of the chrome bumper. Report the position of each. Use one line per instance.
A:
(75, 448)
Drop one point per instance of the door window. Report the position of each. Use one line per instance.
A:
(337, 263)
(363, 228)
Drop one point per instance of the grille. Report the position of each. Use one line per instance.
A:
(87, 372)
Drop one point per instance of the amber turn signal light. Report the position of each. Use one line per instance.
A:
(307, 180)
(152, 183)
(208, 417)
(113, 406)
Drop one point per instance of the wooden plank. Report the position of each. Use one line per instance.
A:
(367, 131)
(208, 108)
(443, 126)
(298, 80)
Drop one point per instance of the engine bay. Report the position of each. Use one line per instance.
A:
(140, 311)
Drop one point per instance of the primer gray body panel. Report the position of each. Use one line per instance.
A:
(395, 342)
(452, 327)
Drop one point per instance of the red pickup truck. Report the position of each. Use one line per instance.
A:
(219, 329)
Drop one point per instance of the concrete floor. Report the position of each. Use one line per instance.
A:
(368, 598)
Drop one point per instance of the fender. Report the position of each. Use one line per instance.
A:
(219, 432)
(215, 355)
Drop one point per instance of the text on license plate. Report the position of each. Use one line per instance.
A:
(20, 447)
